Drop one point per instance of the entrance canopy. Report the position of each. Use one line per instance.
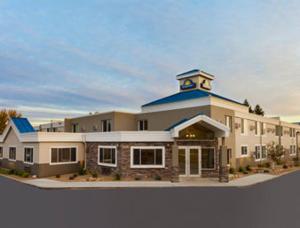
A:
(218, 128)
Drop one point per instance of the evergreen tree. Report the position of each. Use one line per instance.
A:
(246, 103)
(259, 111)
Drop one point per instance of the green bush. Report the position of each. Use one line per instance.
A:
(25, 175)
(117, 176)
(4, 171)
(137, 178)
(12, 172)
(248, 168)
(267, 165)
(157, 178)
(241, 170)
(285, 166)
(266, 171)
(57, 176)
(245, 172)
(232, 170)
(71, 177)
(94, 174)
(82, 171)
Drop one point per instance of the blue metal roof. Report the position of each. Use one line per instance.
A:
(187, 95)
(182, 121)
(189, 72)
(23, 125)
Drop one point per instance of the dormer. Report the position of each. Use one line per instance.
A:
(195, 79)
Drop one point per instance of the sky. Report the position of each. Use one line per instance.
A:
(64, 58)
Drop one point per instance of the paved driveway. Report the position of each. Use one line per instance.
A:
(272, 204)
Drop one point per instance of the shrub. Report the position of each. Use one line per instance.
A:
(4, 171)
(25, 175)
(11, 171)
(57, 176)
(267, 165)
(232, 170)
(82, 171)
(260, 166)
(285, 166)
(75, 175)
(117, 176)
(245, 172)
(94, 174)
(71, 177)
(248, 168)
(266, 171)
(241, 170)
(137, 178)
(157, 177)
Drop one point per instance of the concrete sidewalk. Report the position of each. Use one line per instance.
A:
(205, 182)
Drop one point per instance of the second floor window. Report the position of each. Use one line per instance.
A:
(75, 127)
(106, 125)
(143, 125)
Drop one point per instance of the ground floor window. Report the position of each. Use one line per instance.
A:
(260, 152)
(244, 150)
(107, 155)
(208, 158)
(1, 152)
(263, 152)
(147, 157)
(12, 153)
(229, 156)
(293, 150)
(28, 155)
(63, 155)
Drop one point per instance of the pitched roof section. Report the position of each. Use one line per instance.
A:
(187, 95)
(23, 125)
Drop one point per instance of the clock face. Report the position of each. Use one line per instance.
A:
(205, 84)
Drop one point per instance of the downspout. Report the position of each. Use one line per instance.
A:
(85, 150)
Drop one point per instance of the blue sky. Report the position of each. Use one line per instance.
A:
(67, 58)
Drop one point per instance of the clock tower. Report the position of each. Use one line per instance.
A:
(195, 79)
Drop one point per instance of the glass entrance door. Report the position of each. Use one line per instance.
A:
(189, 159)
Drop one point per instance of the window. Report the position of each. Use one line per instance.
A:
(106, 125)
(228, 122)
(12, 153)
(143, 125)
(292, 132)
(208, 158)
(256, 128)
(243, 126)
(63, 155)
(279, 130)
(1, 152)
(107, 156)
(147, 157)
(262, 128)
(244, 150)
(263, 152)
(257, 153)
(75, 127)
(293, 150)
(28, 155)
(229, 156)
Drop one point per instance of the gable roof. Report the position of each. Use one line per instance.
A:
(22, 125)
(220, 129)
(187, 95)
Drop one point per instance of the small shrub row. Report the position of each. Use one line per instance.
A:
(17, 172)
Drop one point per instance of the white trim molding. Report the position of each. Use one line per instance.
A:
(107, 164)
(132, 148)
(220, 129)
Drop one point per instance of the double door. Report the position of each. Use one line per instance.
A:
(189, 158)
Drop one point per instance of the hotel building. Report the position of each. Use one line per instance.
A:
(193, 133)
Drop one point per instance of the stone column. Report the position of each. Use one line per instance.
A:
(223, 169)
(175, 163)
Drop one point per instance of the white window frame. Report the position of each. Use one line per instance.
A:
(215, 159)
(143, 121)
(147, 166)
(244, 155)
(9, 153)
(261, 151)
(293, 150)
(103, 123)
(244, 125)
(108, 164)
(1, 146)
(28, 147)
(62, 163)
(257, 145)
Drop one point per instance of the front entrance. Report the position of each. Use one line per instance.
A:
(189, 158)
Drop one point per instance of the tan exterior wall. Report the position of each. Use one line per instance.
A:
(13, 141)
(92, 123)
(159, 121)
(45, 148)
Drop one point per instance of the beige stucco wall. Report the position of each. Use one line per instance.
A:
(13, 141)
(45, 148)
(159, 121)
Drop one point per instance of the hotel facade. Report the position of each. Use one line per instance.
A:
(191, 134)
